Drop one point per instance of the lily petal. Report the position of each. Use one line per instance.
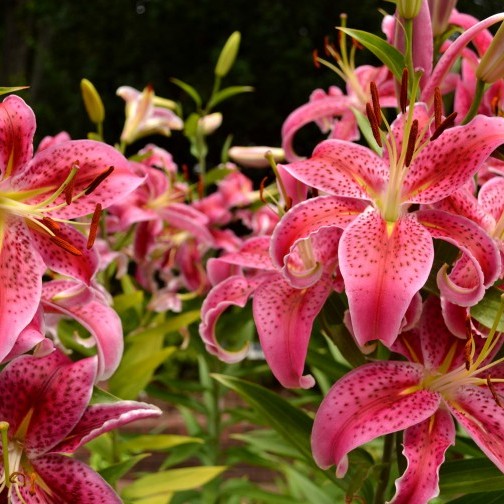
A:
(103, 417)
(425, 445)
(446, 163)
(70, 480)
(477, 269)
(307, 218)
(343, 169)
(21, 270)
(50, 167)
(233, 291)
(368, 402)
(383, 266)
(17, 127)
(477, 411)
(284, 319)
(59, 405)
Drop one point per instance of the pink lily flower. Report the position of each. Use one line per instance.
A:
(324, 108)
(386, 251)
(37, 197)
(45, 412)
(147, 114)
(283, 314)
(439, 382)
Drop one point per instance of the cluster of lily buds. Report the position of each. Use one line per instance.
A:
(363, 220)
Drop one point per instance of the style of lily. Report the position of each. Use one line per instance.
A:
(37, 197)
(444, 377)
(147, 114)
(44, 415)
(283, 314)
(386, 251)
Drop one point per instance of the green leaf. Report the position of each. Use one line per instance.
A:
(252, 493)
(138, 365)
(158, 499)
(124, 301)
(173, 480)
(226, 93)
(488, 308)
(312, 491)
(385, 52)
(5, 90)
(116, 471)
(189, 90)
(291, 423)
(157, 442)
(174, 323)
(470, 476)
(480, 498)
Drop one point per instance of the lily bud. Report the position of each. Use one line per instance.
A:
(254, 157)
(92, 102)
(209, 123)
(228, 55)
(491, 66)
(440, 11)
(409, 9)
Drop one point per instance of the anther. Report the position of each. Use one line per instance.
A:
(403, 98)
(326, 46)
(288, 203)
(447, 123)
(98, 180)
(410, 150)
(438, 107)
(65, 245)
(50, 224)
(185, 171)
(376, 102)
(374, 125)
(493, 391)
(95, 220)
(70, 186)
(315, 57)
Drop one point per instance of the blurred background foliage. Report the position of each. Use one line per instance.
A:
(50, 45)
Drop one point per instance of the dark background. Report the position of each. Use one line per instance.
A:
(50, 45)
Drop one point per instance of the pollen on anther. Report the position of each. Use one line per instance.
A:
(98, 180)
(95, 220)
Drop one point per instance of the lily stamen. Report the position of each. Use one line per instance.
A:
(65, 245)
(410, 150)
(447, 123)
(95, 220)
(376, 102)
(374, 123)
(438, 108)
(493, 391)
(98, 180)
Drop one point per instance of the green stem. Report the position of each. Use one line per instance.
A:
(478, 95)
(4, 427)
(388, 449)
(408, 52)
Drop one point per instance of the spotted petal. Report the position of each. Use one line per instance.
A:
(448, 162)
(284, 318)
(383, 266)
(70, 480)
(21, 270)
(425, 445)
(477, 269)
(342, 169)
(368, 402)
(96, 316)
(103, 417)
(483, 419)
(50, 167)
(17, 127)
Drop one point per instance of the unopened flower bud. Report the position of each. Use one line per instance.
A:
(409, 9)
(440, 11)
(228, 55)
(491, 66)
(92, 102)
(254, 157)
(209, 123)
